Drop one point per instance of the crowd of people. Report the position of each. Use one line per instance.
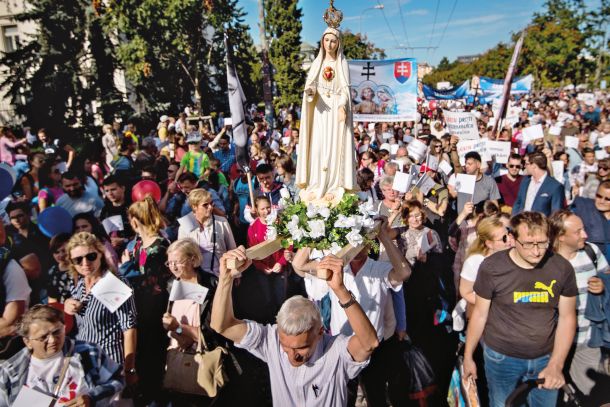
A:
(514, 276)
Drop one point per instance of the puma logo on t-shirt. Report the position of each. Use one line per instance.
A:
(535, 296)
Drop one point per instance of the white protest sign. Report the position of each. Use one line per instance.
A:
(363, 148)
(601, 154)
(571, 142)
(500, 149)
(182, 290)
(465, 183)
(426, 184)
(445, 167)
(593, 137)
(401, 182)
(558, 167)
(463, 125)
(417, 149)
(113, 224)
(387, 135)
(564, 117)
(407, 139)
(399, 163)
(394, 148)
(464, 147)
(28, 397)
(111, 291)
(228, 121)
(424, 243)
(532, 133)
(285, 141)
(603, 142)
(588, 98)
(432, 163)
(555, 130)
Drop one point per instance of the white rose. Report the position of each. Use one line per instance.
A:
(354, 238)
(334, 248)
(271, 233)
(316, 228)
(297, 234)
(293, 223)
(367, 208)
(324, 212)
(312, 211)
(368, 223)
(343, 222)
(271, 218)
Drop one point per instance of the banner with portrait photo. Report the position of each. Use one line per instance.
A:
(384, 91)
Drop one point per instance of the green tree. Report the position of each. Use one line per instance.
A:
(283, 26)
(444, 64)
(173, 51)
(356, 46)
(55, 78)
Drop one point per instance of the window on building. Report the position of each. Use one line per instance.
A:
(10, 37)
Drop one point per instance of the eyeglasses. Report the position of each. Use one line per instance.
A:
(417, 216)
(439, 147)
(605, 198)
(57, 333)
(602, 168)
(206, 204)
(531, 245)
(514, 166)
(91, 257)
(175, 264)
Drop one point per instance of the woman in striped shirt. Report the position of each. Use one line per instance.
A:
(114, 332)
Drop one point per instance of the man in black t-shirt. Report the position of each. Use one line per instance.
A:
(525, 311)
(116, 204)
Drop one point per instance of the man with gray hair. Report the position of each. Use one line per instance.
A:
(307, 366)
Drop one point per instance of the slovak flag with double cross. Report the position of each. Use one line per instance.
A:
(402, 71)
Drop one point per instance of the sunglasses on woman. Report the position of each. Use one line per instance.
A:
(91, 257)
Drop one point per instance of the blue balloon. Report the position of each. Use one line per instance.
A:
(55, 220)
(6, 183)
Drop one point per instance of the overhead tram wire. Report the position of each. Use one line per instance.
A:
(445, 29)
(402, 20)
(388, 24)
(438, 3)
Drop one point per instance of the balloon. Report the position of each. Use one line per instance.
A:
(10, 171)
(55, 220)
(143, 188)
(6, 183)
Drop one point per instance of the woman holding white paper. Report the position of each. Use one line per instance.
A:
(185, 317)
(114, 332)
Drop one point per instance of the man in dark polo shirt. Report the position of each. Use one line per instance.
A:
(525, 310)
(509, 183)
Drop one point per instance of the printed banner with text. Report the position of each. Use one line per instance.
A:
(384, 91)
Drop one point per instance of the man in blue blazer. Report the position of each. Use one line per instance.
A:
(539, 191)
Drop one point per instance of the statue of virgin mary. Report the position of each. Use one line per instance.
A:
(326, 165)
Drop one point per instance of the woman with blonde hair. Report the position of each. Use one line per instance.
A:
(491, 236)
(185, 317)
(148, 256)
(114, 332)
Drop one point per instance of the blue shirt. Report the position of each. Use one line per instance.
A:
(226, 157)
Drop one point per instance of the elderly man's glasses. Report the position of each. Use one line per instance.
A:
(57, 333)
(91, 257)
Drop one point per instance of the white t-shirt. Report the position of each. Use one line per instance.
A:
(43, 374)
(16, 283)
(371, 288)
(470, 268)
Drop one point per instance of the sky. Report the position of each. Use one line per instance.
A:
(474, 27)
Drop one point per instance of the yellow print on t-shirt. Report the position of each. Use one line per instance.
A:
(535, 296)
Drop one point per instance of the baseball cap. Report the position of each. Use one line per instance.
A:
(193, 137)
(163, 118)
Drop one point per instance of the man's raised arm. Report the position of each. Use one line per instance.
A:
(364, 341)
(223, 319)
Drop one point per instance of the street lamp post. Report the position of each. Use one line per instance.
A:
(375, 7)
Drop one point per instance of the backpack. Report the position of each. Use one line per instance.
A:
(591, 253)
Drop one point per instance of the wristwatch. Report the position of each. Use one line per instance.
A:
(131, 371)
(351, 302)
(178, 330)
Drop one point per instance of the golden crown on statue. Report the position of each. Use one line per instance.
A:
(332, 16)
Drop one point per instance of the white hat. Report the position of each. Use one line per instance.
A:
(164, 118)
